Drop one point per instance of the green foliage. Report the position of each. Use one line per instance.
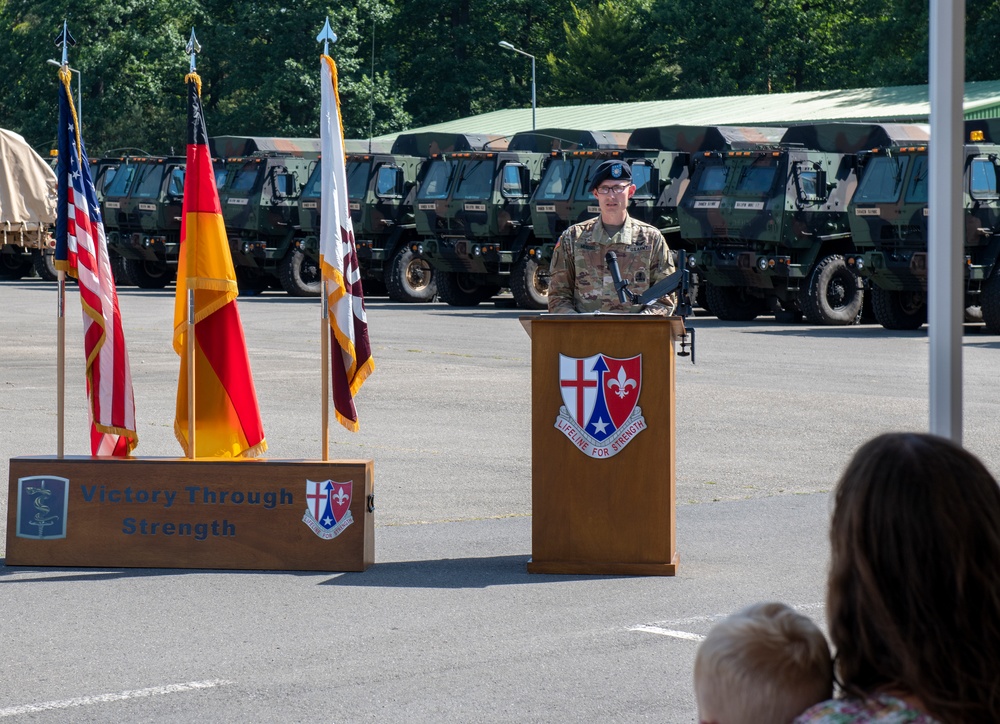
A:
(610, 57)
(413, 63)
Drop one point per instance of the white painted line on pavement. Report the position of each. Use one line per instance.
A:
(665, 628)
(105, 698)
(669, 632)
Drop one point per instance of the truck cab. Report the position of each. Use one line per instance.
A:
(888, 217)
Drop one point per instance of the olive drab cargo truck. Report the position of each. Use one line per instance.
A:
(382, 189)
(259, 183)
(474, 214)
(562, 197)
(770, 223)
(27, 210)
(888, 217)
(142, 210)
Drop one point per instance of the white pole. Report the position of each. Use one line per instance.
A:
(324, 345)
(946, 236)
(190, 352)
(61, 365)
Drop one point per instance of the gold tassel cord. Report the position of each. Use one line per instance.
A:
(193, 77)
(64, 76)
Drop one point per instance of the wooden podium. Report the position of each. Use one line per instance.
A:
(602, 444)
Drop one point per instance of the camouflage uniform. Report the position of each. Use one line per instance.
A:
(581, 281)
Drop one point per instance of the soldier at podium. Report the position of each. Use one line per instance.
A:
(581, 280)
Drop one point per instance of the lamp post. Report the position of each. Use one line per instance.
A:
(507, 46)
(79, 98)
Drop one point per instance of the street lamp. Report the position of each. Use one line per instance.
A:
(507, 46)
(79, 98)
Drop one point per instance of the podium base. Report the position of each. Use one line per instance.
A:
(605, 569)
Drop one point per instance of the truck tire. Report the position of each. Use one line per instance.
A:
(410, 278)
(459, 289)
(529, 283)
(732, 304)
(149, 274)
(120, 271)
(14, 266)
(299, 274)
(899, 310)
(989, 302)
(833, 293)
(44, 262)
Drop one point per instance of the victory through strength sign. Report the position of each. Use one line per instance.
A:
(163, 513)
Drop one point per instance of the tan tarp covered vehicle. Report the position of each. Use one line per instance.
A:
(27, 205)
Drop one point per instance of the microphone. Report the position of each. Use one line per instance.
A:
(616, 276)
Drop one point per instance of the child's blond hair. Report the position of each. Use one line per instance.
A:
(763, 664)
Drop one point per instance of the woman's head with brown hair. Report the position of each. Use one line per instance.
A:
(914, 589)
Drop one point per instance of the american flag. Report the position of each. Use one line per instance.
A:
(82, 252)
(351, 361)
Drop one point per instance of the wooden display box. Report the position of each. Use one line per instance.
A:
(180, 513)
(603, 506)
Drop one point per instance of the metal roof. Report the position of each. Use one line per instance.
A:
(900, 104)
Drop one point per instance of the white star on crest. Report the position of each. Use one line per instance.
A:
(599, 426)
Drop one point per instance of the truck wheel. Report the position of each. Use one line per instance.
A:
(459, 289)
(45, 264)
(732, 304)
(299, 274)
(833, 293)
(149, 274)
(120, 271)
(410, 278)
(529, 283)
(14, 266)
(899, 310)
(989, 302)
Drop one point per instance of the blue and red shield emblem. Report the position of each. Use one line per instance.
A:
(328, 507)
(600, 394)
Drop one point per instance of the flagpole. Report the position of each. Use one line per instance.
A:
(61, 365)
(189, 351)
(324, 336)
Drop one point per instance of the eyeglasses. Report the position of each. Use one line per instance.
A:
(605, 190)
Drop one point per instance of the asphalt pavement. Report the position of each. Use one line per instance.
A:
(448, 625)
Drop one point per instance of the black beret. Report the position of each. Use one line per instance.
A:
(611, 169)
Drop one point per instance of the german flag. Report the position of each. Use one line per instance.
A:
(226, 417)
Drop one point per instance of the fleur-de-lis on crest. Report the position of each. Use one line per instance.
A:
(339, 497)
(622, 382)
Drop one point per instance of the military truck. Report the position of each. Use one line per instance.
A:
(259, 187)
(474, 215)
(888, 217)
(27, 209)
(142, 218)
(382, 188)
(563, 198)
(770, 225)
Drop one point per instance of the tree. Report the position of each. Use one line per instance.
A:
(610, 57)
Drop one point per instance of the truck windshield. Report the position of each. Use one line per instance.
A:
(756, 180)
(917, 192)
(984, 179)
(475, 180)
(149, 183)
(357, 178)
(711, 180)
(435, 184)
(312, 189)
(246, 178)
(220, 176)
(642, 175)
(123, 179)
(882, 180)
(176, 185)
(558, 180)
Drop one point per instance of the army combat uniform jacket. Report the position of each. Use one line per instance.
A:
(581, 281)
